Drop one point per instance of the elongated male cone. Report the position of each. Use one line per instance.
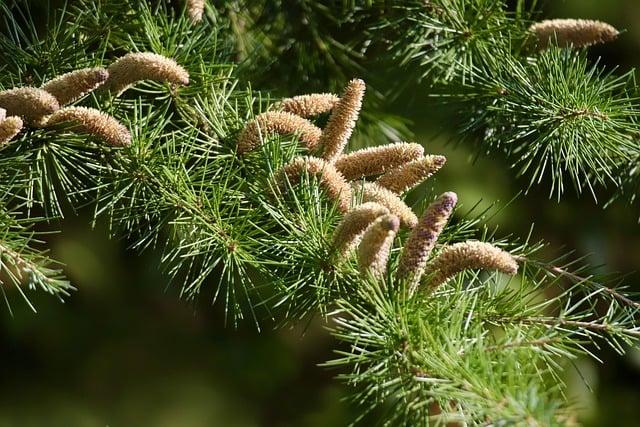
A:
(280, 123)
(373, 251)
(377, 160)
(353, 225)
(469, 255)
(342, 121)
(72, 86)
(93, 122)
(134, 67)
(370, 192)
(308, 105)
(9, 128)
(195, 10)
(572, 32)
(29, 103)
(412, 174)
(423, 238)
(334, 184)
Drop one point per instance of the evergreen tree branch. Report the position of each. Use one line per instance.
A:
(479, 349)
(578, 124)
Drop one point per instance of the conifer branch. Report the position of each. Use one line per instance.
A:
(22, 266)
(471, 351)
(576, 126)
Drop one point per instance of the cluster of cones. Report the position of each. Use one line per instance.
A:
(47, 105)
(367, 186)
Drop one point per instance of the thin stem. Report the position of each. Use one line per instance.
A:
(592, 326)
(25, 265)
(558, 271)
(533, 343)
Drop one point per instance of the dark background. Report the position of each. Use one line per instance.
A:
(125, 351)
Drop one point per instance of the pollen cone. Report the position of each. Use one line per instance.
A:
(29, 103)
(572, 32)
(424, 237)
(412, 174)
(195, 10)
(309, 105)
(334, 184)
(469, 255)
(377, 160)
(353, 225)
(134, 67)
(9, 128)
(370, 192)
(373, 251)
(93, 122)
(280, 123)
(72, 86)
(342, 121)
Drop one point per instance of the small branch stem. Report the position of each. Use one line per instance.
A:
(558, 271)
(533, 343)
(24, 264)
(592, 326)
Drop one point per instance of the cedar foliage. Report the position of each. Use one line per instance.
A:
(481, 348)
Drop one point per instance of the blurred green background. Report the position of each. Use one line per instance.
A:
(125, 351)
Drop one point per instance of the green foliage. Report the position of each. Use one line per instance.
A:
(448, 39)
(479, 350)
(23, 265)
(556, 116)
